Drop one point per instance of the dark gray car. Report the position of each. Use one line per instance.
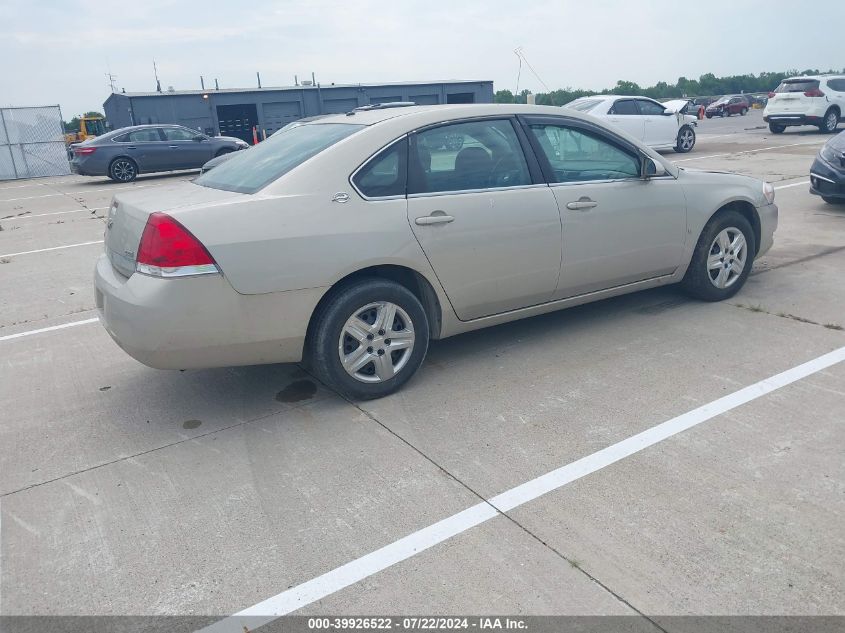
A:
(123, 154)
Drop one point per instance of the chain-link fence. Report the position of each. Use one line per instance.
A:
(32, 143)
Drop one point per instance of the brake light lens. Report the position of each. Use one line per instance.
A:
(84, 151)
(168, 249)
(815, 92)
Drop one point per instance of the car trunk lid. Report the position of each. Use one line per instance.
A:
(129, 211)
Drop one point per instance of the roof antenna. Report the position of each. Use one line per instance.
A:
(155, 72)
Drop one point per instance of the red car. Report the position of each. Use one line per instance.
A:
(727, 106)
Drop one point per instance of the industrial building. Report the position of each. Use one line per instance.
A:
(235, 112)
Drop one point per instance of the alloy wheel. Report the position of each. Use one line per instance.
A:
(831, 121)
(727, 257)
(123, 170)
(376, 342)
(687, 139)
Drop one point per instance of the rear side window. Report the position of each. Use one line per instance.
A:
(179, 134)
(385, 174)
(626, 106)
(257, 167)
(148, 135)
(797, 85)
(470, 155)
(836, 84)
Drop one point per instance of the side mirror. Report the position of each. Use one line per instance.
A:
(669, 112)
(651, 168)
(200, 137)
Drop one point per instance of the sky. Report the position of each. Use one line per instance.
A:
(60, 51)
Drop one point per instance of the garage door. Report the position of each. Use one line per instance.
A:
(279, 113)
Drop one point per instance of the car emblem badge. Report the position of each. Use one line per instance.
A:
(341, 197)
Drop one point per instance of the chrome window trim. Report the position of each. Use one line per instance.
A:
(833, 182)
(432, 194)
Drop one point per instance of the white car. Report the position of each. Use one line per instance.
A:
(645, 119)
(811, 100)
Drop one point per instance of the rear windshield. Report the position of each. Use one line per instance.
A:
(797, 85)
(584, 106)
(258, 166)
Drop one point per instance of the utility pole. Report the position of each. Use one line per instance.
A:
(112, 79)
(155, 72)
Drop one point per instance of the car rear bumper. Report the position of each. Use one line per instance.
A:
(792, 119)
(201, 321)
(827, 181)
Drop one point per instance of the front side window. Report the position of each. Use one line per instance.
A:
(470, 155)
(254, 169)
(147, 135)
(575, 155)
(650, 108)
(385, 174)
(179, 134)
(625, 106)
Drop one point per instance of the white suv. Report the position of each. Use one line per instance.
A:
(817, 100)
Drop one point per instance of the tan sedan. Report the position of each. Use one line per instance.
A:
(351, 241)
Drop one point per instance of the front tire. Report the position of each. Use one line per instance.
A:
(123, 170)
(722, 258)
(830, 121)
(708, 115)
(685, 140)
(774, 128)
(368, 339)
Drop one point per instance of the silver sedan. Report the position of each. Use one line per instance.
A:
(351, 241)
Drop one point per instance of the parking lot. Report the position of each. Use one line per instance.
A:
(133, 491)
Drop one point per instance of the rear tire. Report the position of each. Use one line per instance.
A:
(720, 263)
(685, 140)
(709, 116)
(744, 111)
(350, 322)
(774, 128)
(123, 169)
(830, 121)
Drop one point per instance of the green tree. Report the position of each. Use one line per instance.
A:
(503, 96)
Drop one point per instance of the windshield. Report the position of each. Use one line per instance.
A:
(257, 167)
(584, 106)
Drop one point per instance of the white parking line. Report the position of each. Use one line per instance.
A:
(747, 151)
(795, 184)
(52, 248)
(41, 215)
(9, 337)
(77, 193)
(411, 545)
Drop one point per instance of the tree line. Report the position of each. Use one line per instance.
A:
(707, 85)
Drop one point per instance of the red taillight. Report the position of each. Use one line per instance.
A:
(168, 249)
(771, 95)
(84, 151)
(815, 92)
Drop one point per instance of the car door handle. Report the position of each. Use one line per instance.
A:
(440, 218)
(131, 147)
(582, 204)
(173, 146)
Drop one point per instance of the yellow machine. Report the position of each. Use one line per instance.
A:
(89, 127)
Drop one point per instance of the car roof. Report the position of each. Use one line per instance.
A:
(815, 77)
